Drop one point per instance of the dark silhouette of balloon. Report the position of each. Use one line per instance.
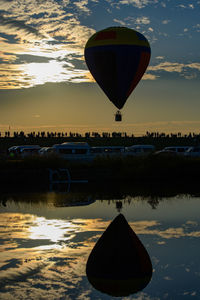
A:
(117, 57)
(119, 265)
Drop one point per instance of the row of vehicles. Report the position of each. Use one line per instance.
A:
(78, 150)
(83, 151)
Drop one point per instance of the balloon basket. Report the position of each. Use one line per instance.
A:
(118, 116)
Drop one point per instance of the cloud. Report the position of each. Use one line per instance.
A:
(48, 256)
(82, 6)
(188, 71)
(183, 6)
(163, 4)
(6, 57)
(14, 275)
(138, 3)
(122, 23)
(39, 31)
(142, 20)
(197, 27)
(11, 26)
(159, 57)
(166, 22)
(167, 278)
(32, 74)
(10, 76)
(51, 17)
(47, 20)
(51, 30)
(167, 66)
(148, 76)
(145, 227)
(36, 8)
(183, 69)
(137, 22)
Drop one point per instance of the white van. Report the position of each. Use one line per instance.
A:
(72, 150)
(139, 150)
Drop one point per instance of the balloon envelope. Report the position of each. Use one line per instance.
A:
(117, 57)
(119, 265)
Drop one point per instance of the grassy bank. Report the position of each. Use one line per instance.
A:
(151, 169)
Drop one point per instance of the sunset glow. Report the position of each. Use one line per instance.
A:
(42, 49)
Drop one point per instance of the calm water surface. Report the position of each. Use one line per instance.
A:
(45, 241)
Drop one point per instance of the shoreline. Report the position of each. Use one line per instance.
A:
(86, 194)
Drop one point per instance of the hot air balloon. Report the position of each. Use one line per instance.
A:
(119, 264)
(117, 58)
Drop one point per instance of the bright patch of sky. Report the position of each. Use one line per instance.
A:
(43, 41)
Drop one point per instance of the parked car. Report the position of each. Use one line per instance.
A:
(173, 150)
(29, 151)
(138, 150)
(23, 150)
(107, 151)
(193, 152)
(165, 153)
(45, 151)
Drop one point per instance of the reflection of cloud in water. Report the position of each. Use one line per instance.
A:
(144, 227)
(45, 258)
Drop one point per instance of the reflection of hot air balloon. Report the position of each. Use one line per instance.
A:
(119, 265)
(117, 57)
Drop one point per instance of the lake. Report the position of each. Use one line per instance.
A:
(45, 241)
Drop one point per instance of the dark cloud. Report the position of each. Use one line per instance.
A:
(19, 25)
(26, 58)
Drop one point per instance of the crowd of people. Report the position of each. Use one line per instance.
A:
(43, 134)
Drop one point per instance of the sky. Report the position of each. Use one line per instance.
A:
(45, 84)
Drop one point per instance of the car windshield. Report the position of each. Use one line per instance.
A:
(190, 150)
